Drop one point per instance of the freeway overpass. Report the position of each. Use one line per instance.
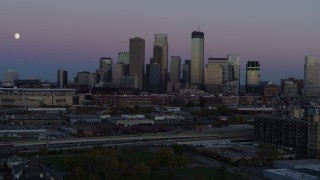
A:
(239, 133)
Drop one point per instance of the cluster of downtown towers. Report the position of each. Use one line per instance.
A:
(219, 74)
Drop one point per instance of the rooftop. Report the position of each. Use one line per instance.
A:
(288, 173)
(299, 162)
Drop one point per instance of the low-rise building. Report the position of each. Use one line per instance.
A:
(25, 97)
(30, 133)
(230, 100)
(168, 118)
(287, 174)
(83, 118)
(287, 133)
(314, 135)
(15, 160)
(120, 121)
(34, 119)
(313, 164)
(290, 89)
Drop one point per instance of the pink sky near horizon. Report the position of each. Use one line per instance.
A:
(65, 34)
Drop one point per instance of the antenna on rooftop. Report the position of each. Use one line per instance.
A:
(198, 27)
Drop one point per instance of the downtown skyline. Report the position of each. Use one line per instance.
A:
(74, 36)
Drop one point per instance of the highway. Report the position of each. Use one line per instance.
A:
(232, 133)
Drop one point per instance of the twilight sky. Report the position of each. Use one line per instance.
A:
(75, 34)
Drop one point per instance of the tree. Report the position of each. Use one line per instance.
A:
(189, 103)
(140, 171)
(236, 120)
(267, 153)
(164, 157)
(99, 163)
(167, 174)
(178, 149)
(222, 110)
(221, 173)
(43, 150)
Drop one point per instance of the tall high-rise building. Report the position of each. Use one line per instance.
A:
(123, 57)
(104, 72)
(86, 78)
(175, 73)
(175, 69)
(214, 75)
(137, 59)
(299, 83)
(311, 76)
(62, 78)
(221, 75)
(160, 55)
(226, 69)
(105, 63)
(252, 76)
(153, 77)
(9, 77)
(186, 72)
(234, 61)
(197, 58)
(117, 73)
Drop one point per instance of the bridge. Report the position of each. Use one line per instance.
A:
(234, 134)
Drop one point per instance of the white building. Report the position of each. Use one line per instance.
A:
(9, 77)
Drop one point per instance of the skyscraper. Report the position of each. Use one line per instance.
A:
(175, 73)
(252, 76)
(62, 78)
(197, 58)
(221, 75)
(9, 77)
(175, 69)
(234, 61)
(153, 77)
(160, 55)
(105, 63)
(213, 77)
(311, 76)
(86, 78)
(117, 73)
(123, 57)
(186, 72)
(105, 70)
(137, 59)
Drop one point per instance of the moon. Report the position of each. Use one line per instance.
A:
(17, 36)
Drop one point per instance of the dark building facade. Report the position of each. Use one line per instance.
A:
(62, 78)
(104, 72)
(299, 82)
(153, 78)
(137, 61)
(287, 133)
(186, 72)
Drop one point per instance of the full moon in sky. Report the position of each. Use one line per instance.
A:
(17, 36)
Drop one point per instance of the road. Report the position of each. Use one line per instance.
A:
(232, 133)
